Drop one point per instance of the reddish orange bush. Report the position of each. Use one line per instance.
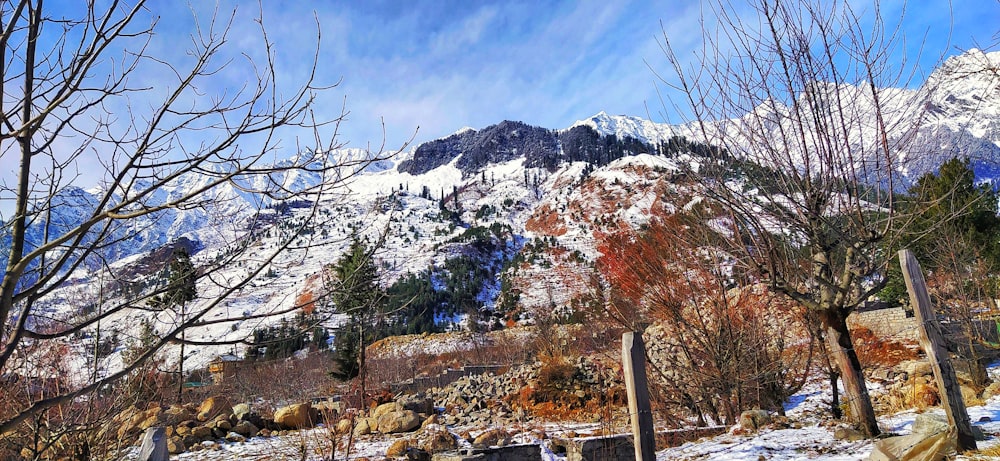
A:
(875, 351)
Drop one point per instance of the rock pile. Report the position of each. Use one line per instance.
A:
(190, 427)
(911, 384)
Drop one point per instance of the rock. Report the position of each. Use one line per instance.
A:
(492, 438)
(362, 427)
(298, 416)
(992, 390)
(246, 429)
(846, 433)
(398, 448)
(149, 422)
(212, 407)
(916, 367)
(930, 423)
(418, 403)
(154, 445)
(385, 408)
(416, 454)
(202, 433)
(436, 440)
(175, 445)
(343, 426)
(432, 419)
(240, 410)
(177, 414)
(235, 438)
(210, 445)
(398, 421)
(752, 420)
(224, 425)
(985, 419)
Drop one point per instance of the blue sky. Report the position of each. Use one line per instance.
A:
(442, 65)
(429, 68)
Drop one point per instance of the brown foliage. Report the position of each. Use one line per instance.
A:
(715, 350)
(875, 351)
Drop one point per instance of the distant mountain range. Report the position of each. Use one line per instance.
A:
(553, 192)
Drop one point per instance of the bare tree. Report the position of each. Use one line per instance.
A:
(75, 95)
(801, 100)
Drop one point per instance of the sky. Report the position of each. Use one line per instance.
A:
(420, 70)
(428, 68)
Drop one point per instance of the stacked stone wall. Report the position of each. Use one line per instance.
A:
(888, 323)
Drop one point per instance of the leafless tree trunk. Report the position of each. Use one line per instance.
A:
(72, 87)
(797, 101)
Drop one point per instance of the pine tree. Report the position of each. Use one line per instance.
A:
(355, 292)
(181, 288)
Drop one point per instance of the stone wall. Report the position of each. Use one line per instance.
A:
(447, 377)
(889, 323)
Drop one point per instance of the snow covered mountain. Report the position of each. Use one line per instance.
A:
(527, 205)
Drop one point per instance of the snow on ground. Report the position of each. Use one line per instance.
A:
(810, 438)
(814, 439)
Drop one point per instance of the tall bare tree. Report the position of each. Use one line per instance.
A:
(86, 92)
(801, 96)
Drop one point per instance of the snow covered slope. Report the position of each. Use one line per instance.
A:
(546, 198)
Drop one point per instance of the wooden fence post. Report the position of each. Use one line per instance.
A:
(932, 341)
(640, 412)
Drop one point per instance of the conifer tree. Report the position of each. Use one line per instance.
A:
(355, 292)
(181, 289)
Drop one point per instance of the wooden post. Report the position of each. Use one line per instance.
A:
(154, 445)
(641, 415)
(932, 341)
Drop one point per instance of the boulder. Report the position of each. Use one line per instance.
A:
(224, 425)
(398, 421)
(385, 408)
(202, 433)
(992, 390)
(362, 427)
(235, 438)
(930, 423)
(177, 414)
(917, 368)
(418, 403)
(436, 439)
(492, 438)
(149, 422)
(246, 429)
(398, 448)
(752, 420)
(240, 410)
(213, 407)
(297, 416)
(175, 445)
(343, 426)
(969, 395)
(848, 434)
(432, 419)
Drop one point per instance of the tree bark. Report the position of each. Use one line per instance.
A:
(855, 392)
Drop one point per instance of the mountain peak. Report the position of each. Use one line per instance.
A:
(628, 126)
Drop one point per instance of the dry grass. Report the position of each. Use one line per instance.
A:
(991, 453)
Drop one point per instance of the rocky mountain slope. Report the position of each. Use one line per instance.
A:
(529, 205)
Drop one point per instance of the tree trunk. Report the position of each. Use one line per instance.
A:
(835, 399)
(855, 391)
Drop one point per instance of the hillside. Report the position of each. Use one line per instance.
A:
(528, 205)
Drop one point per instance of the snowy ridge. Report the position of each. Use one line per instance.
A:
(568, 202)
(634, 127)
